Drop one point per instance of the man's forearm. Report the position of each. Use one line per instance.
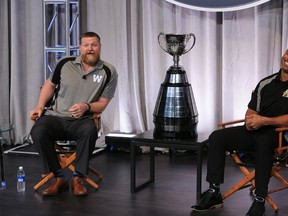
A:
(99, 106)
(279, 121)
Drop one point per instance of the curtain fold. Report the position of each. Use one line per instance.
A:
(27, 53)
(4, 65)
(233, 51)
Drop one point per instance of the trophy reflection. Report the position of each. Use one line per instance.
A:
(175, 115)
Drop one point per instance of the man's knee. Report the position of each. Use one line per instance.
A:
(266, 140)
(40, 130)
(88, 129)
(216, 137)
(37, 131)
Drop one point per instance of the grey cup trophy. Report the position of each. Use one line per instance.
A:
(175, 115)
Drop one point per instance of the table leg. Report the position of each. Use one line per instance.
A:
(133, 185)
(3, 183)
(132, 168)
(199, 173)
(152, 164)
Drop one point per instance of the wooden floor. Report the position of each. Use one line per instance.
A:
(172, 194)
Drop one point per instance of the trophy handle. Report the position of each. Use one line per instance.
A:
(188, 38)
(161, 36)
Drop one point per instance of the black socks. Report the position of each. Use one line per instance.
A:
(77, 174)
(59, 174)
(214, 188)
(259, 199)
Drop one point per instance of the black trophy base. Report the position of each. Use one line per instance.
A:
(175, 132)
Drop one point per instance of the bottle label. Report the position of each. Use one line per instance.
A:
(3, 184)
(21, 178)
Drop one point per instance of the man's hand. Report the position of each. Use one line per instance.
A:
(36, 113)
(254, 121)
(77, 110)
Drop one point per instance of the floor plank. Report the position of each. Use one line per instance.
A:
(172, 194)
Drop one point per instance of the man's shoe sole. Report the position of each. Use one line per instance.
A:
(205, 210)
(61, 189)
(80, 194)
(262, 214)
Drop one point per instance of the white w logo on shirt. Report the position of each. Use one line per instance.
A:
(97, 78)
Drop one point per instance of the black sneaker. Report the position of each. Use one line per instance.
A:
(209, 200)
(257, 208)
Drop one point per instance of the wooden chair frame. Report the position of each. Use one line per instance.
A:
(249, 174)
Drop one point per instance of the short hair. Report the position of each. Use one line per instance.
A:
(89, 34)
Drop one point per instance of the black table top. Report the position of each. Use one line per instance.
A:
(147, 136)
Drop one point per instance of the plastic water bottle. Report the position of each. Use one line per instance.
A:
(20, 179)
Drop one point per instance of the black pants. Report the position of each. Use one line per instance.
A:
(262, 142)
(49, 129)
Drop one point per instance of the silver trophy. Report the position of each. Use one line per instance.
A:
(175, 44)
(175, 115)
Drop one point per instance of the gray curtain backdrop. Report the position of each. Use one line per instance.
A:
(233, 51)
(4, 62)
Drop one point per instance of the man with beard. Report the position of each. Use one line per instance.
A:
(80, 86)
(267, 110)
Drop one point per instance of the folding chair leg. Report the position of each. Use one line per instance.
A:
(86, 178)
(241, 184)
(43, 181)
(277, 175)
(91, 182)
(272, 203)
(95, 172)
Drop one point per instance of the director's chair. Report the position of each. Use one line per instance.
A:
(67, 155)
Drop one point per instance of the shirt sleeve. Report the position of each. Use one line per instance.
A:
(56, 75)
(255, 98)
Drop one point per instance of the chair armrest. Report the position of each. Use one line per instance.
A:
(281, 129)
(224, 124)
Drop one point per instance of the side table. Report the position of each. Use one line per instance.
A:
(147, 139)
(5, 127)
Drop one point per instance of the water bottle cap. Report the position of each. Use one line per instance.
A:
(21, 167)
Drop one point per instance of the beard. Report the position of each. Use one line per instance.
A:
(90, 58)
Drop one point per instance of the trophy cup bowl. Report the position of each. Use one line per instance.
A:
(175, 44)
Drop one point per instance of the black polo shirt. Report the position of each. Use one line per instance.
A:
(270, 97)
